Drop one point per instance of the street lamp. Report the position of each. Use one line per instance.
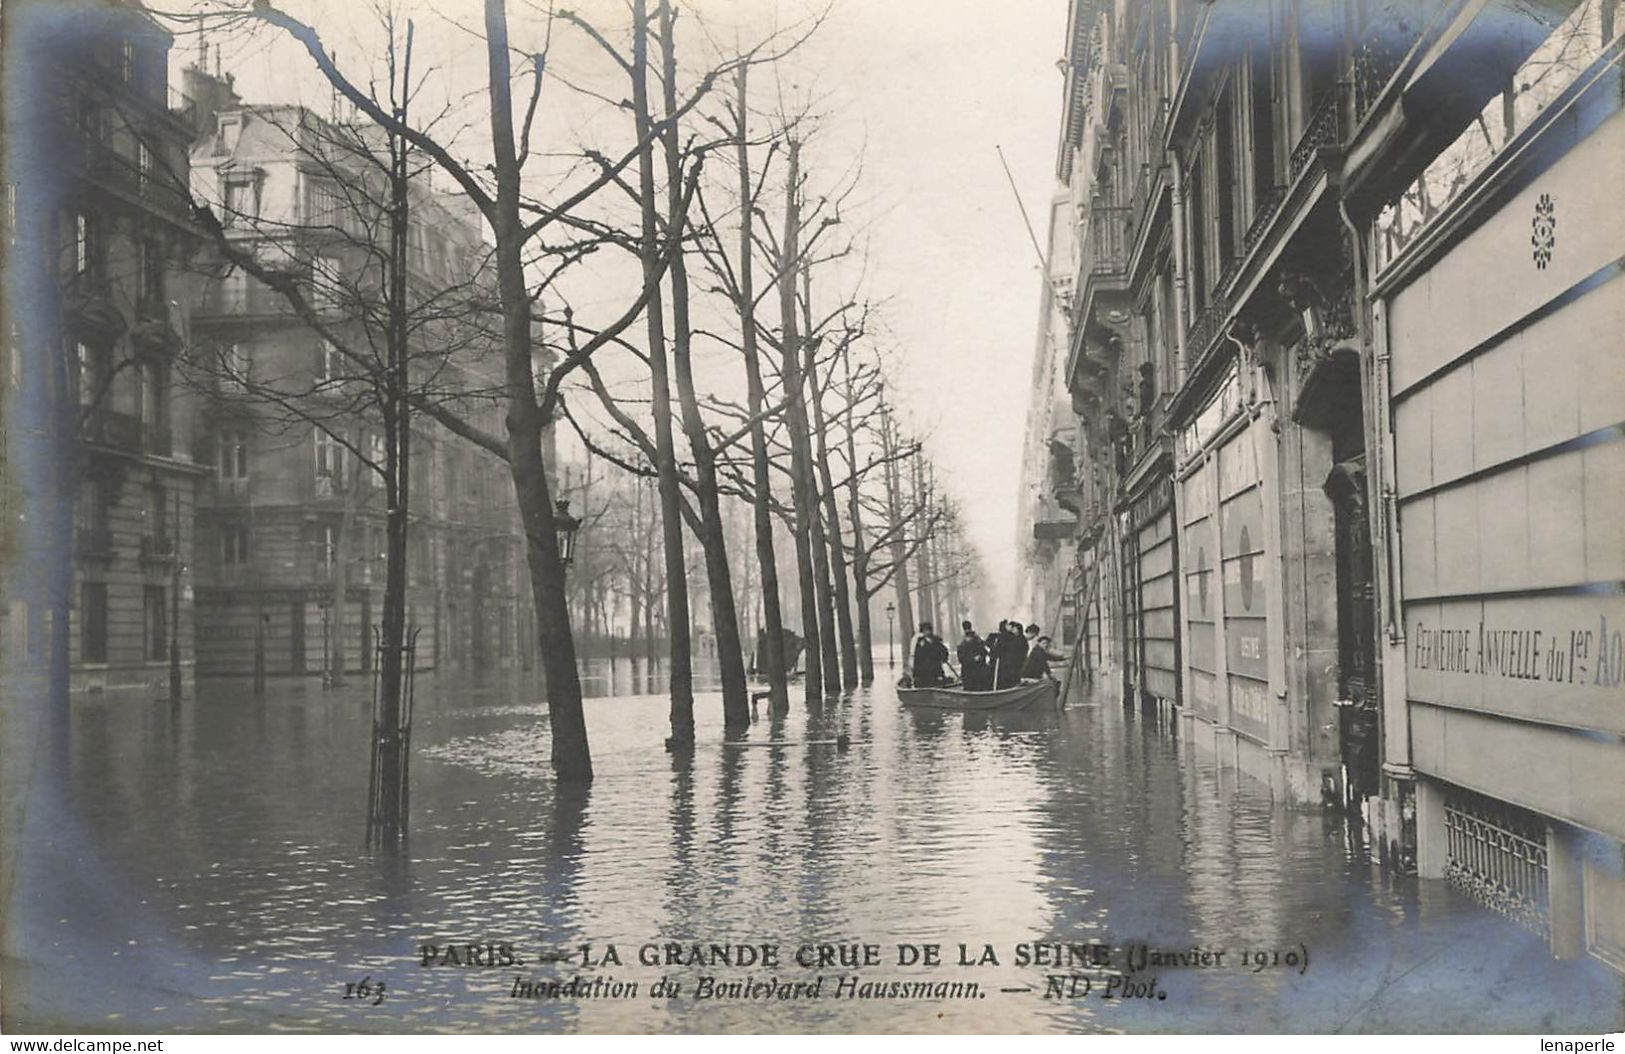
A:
(891, 619)
(565, 526)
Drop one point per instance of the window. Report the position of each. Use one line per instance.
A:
(157, 514)
(87, 115)
(93, 622)
(156, 622)
(241, 202)
(234, 544)
(150, 264)
(324, 205)
(231, 461)
(237, 362)
(92, 515)
(327, 547)
(11, 214)
(143, 155)
(83, 245)
(127, 61)
(88, 376)
(326, 291)
(326, 360)
(146, 387)
(1196, 247)
(1225, 183)
(14, 360)
(329, 458)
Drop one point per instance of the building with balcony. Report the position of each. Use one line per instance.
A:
(101, 478)
(1047, 516)
(1365, 539)
(291, 522)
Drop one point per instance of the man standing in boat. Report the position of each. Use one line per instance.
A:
(974, 672)
(1012, 655)
(928, 656)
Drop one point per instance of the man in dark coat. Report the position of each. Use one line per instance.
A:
(929, 655)
(993, 642)
(974, 672)
(1012, 655)
(1036, 668)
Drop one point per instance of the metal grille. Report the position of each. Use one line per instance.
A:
(1498, 857)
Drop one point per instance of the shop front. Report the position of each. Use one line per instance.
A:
(1506, 400)
(1227, 548)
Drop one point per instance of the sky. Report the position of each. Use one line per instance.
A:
(921, 94)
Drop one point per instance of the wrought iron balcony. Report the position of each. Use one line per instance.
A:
(1378, 54)
(1324, 130)
(114, 429)
(1105, 251)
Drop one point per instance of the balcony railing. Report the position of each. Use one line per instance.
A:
(1105, 250)
(115, 429)
(248, 299)
(1206, 327)
(1382, 47)
(1323, 130)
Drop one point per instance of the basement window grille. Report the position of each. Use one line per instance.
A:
(1497, 856)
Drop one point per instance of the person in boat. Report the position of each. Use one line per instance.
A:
(1036, 668)
(993, 642)
(1012, 656)
(929, 655)
(974, 671)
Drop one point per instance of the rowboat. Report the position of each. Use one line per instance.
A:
(1039, 695)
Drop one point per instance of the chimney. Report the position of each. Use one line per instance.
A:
(210, 97)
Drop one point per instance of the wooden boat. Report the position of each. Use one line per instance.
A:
(1039, 695)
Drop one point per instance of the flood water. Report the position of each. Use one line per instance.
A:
(207, 873)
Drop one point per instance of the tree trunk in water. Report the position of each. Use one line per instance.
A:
(928, 596)
(341, 579)
(671, 523)
(387, 825)
(860, 553)
(761, 509)
(899, 550)
(837, 558)
(800, 472)
(817, 537)
(724, 617)
(571, 756)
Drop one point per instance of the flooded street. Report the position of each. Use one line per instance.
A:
(208, 874)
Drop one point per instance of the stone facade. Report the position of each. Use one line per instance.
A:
(1343, 356)
(100, 477)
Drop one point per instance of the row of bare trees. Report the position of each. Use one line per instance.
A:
(739, 272)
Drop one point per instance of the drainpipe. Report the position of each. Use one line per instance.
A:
(1181, 322)
(1394, 711)
(1379, 428)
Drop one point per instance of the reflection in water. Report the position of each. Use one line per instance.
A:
(207, 872)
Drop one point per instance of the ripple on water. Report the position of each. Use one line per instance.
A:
(246, 839)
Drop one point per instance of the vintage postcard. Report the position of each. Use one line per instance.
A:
(812, 516)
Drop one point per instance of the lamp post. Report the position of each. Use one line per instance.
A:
(565, 527)
(891, 620)
(326, 606)
(175, 607)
